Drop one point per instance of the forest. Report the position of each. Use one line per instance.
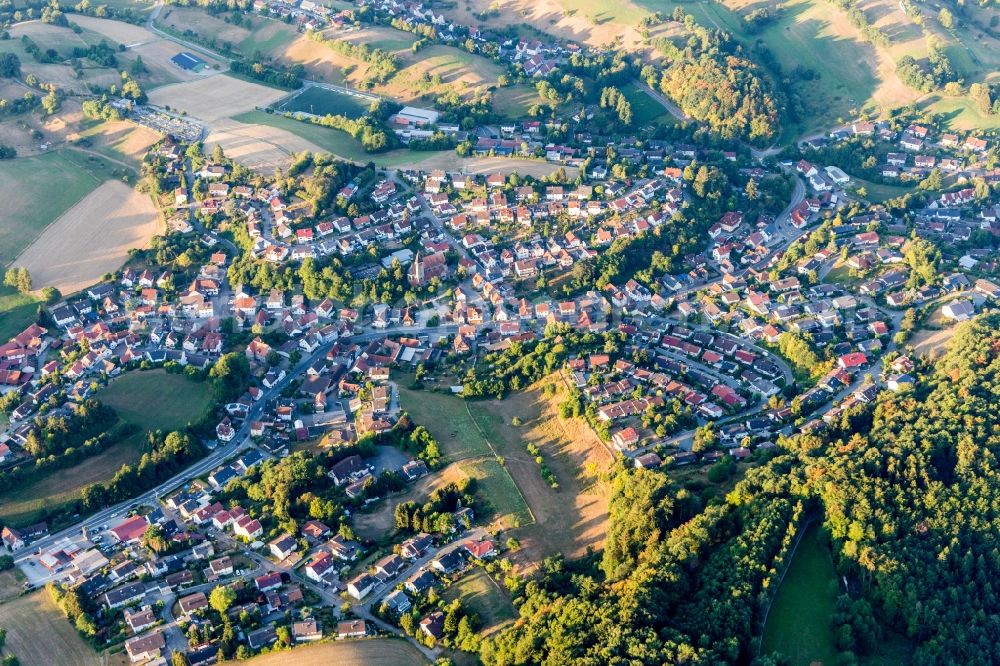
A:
(907, 489)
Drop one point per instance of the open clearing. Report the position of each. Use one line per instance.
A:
(573, 518)
(197, 25)
(28, 618)
(931, 343)
(800, 625)
(35, 191)
(449, 420)
(91, 238)
(480, 594)
(367, 652)
(215, 98)
(17, 311)
(26, 504)
(178, 400)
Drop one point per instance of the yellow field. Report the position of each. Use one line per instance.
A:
(118, 139)
(38, 633)
(258, 147)
(368, 652)
(214, 98)
(91, 238)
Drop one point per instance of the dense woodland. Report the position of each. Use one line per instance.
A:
(907, 489)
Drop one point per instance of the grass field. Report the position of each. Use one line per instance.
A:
(799, 625)
(322, 101)
(568, 520)
(645, 109)
(484, 597)
(35, 191)
(178, 400)
(462, 442)
(38, 633)
(381, 651)
(11, 584)
(333, 141)
(119, 140)
(17, 311)
(25, 505)
(878, 193)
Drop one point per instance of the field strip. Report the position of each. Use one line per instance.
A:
(498, 457)
(91, 238)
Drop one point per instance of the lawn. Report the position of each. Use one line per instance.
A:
(322, 101)
(515, 101)
(334, 141)
(799, 625)
(958, 113)
(645, 109)
(449, 420)
(35, 191)
(17, 311)
(38, 633)
(879, 193)
(480, 594)
(381, 651)
(178, 400)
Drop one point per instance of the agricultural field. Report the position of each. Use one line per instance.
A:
(215, 98)
(381, 651)
(572, 518)
(28, 618)
(799, 625)
(36, 191)
(320, 101)
(484, 597)
(17, 311)
(179, 400)
(457, 69)
(91, 238)
(26, 504)
(116, 139)
(464, 443)
(199, 26)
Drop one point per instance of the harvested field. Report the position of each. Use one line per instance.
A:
(117, 31)
(368, 652)
(35, 191)
(118, 139)
(91, 238)
(215, 98)
(258, 147)
(33, 616)
(573, 518)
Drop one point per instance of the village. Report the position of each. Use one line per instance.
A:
(694, 303)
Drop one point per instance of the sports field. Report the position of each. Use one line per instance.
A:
(91, 238)
(156, 399)
(29, 618)
(323, 101)
(36, 191)
(367, 652)
(799, 625)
